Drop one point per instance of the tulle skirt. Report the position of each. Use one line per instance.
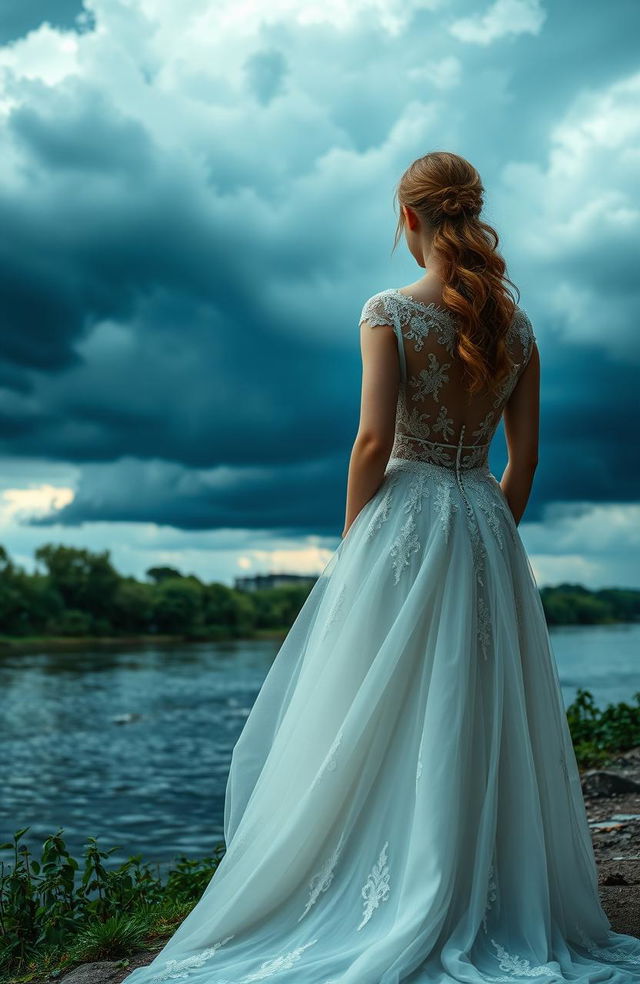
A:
(404, 803)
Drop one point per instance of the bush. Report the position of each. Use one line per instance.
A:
(55, 911)
(71, 622)
(598, 735)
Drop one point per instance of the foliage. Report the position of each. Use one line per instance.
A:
(81, 595)
(600, 734)
(57, 909)
(573, 604)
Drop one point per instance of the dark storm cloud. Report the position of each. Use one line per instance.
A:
(305, 497)
(18, 17)
(579, 462)
(141, 336)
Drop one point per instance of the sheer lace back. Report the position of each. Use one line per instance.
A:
(436, 418)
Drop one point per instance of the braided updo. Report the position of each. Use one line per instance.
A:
(446, 193)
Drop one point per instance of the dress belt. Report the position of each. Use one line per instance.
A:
(443, 444)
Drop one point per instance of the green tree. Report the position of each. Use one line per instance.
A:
(158, 574)
(133, 606)
(178, 605)
(86, 581)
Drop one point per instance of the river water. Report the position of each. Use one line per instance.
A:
(133, 746)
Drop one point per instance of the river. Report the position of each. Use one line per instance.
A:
(132, 746)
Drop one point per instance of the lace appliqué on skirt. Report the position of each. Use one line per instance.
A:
(176, 970)
(376, 888)
(521, 967)
(404, 545)
(407, 541)
(383, 510)
(270, 967)
(322, 878)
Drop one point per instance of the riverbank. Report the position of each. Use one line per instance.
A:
(612, 802)
(31, 644)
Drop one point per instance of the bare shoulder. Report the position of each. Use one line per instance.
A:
(423, 293)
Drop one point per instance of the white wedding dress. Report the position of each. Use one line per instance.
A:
(403, 803)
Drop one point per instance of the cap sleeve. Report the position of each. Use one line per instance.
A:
(526, 334)
(376, 312)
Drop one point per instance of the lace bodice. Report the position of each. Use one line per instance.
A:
(436, 419)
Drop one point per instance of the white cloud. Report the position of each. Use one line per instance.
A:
(580, 211)
(501, 19)
(17, 504)
(592, 543)
(47, 54)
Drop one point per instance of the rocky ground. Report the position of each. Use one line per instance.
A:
(612, 800)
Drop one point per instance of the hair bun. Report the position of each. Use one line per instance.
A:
(454, 201)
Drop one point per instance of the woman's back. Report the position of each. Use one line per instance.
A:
(437, 419)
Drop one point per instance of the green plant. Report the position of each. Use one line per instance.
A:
(56, 910)
(600, 734)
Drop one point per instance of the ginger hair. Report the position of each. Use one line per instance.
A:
(446, 192)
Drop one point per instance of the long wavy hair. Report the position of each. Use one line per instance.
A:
(446, 192)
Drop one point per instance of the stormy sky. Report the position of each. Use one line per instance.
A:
(196, 200)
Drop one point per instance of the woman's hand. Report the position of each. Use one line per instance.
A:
(376, 429)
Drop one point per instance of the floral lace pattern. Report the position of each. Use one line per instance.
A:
(270, 967)
(519, 966)
(446, 507)
(404, 545)
(322, 879)
(428, 381)
(376, 888)
(381, 514)
(415, 322)
(176, 970)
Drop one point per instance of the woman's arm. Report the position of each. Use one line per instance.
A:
(374, 440)
(521, 425)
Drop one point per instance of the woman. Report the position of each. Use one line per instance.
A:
(404, 803)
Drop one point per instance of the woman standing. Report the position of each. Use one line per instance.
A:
(404, 803)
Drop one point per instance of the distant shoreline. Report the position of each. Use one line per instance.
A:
(18, 644)
(30, 644)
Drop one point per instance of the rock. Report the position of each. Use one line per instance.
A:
(614, 878)
(102, 972)
(598, 783)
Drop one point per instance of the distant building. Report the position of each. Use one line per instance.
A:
(255, 582)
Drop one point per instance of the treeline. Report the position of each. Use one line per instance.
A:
(78, 593)
(573, 604)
